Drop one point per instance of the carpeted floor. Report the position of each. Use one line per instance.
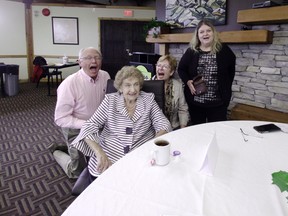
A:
(31, 182)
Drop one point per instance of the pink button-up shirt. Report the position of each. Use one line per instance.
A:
(78, 97)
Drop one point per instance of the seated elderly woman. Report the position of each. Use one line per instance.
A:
(176, 108)
(124, 121)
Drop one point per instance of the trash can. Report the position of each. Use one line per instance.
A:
(2, 72)
(12, 80)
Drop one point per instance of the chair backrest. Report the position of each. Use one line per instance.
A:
(154, 86)
(39, 60)
(38, 71)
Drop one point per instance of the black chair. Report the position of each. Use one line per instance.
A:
(154, 86)
(40, 72)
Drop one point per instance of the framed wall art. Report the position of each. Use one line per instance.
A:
(65, 30)
(188, 13)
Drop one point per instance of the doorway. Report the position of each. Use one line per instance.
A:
(119, 39)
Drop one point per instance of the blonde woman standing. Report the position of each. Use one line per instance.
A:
(216, 62)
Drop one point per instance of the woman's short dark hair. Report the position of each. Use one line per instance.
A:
(128, 72)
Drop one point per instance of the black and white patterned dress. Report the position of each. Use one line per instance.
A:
(207, 66)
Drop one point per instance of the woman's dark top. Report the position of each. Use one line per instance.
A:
(225, 63)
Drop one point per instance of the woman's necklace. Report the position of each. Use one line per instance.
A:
(130, 108)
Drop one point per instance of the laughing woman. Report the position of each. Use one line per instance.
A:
(176, 108)
(215, 61)
(124, 121)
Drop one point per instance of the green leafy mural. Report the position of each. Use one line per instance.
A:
(281, 180)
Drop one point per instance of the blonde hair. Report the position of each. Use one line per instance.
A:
(172, 61)
(195, 42)
(128, 72)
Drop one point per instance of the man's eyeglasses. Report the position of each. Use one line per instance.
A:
(90, 58)
(165, 67)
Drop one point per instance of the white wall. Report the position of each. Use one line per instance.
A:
(13, 36)
(88, 21)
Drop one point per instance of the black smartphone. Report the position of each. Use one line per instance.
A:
(267, 128)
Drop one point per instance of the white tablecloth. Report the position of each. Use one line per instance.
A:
(241, 183)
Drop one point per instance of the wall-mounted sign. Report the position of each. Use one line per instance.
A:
(65, 30)
(128, 13)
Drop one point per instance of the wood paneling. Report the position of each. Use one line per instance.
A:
(246, 112)
(249, 36)
(170, 38)
(263, 15)
(29, 39)
(13, 56)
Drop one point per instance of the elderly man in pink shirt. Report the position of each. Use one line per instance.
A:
(78, 96)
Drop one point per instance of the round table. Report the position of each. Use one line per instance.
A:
(241, 183)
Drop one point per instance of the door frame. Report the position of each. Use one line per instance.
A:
(117, 19)
(114, 19)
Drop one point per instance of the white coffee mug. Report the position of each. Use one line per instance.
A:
(161, 153)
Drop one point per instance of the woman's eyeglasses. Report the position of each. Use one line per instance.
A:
(165, 67)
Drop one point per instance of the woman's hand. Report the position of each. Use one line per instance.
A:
(102, 159)
(191, 87)
(160, 133)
